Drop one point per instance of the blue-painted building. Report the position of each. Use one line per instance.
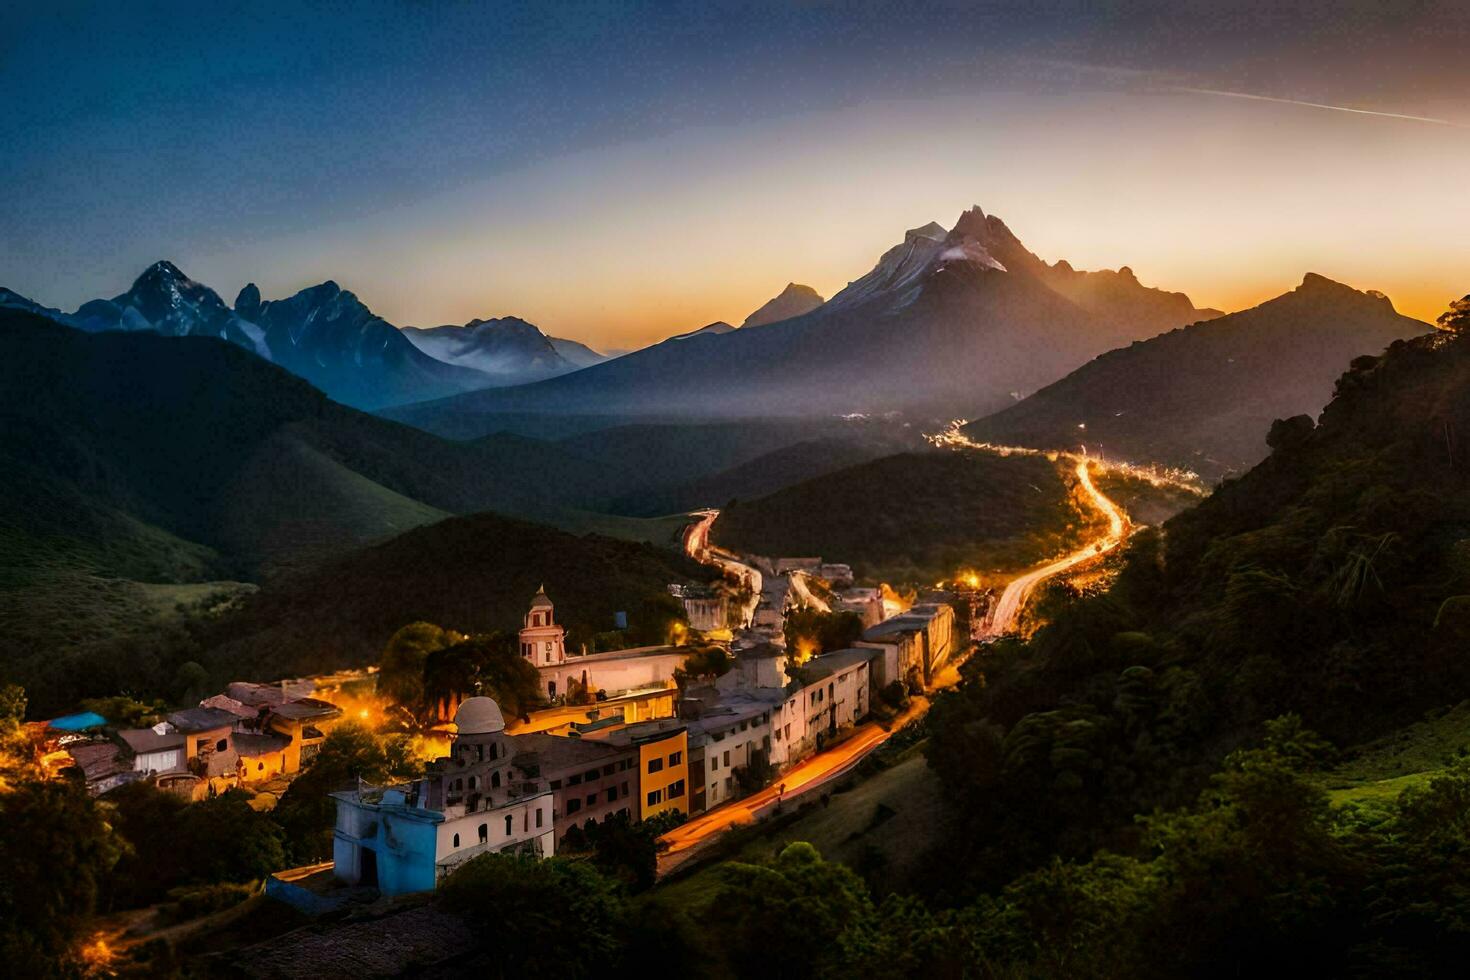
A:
(404, 839)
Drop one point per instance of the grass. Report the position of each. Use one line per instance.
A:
(1380, 770)
(884, 824)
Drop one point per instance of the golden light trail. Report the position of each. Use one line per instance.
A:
(1159, 476)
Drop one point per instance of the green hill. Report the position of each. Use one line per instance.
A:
(1201, 397)
(142, 468)
(915, 517)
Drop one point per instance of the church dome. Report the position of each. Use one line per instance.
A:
(479, 716)
(541, 598)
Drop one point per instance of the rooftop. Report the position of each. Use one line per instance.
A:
(306, 709)
(97, 760)
(835, 662)
(226, 703)
(143, 740)
(556, 752)
(202, 719)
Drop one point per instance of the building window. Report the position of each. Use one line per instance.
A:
(573, 806)
(607, 770)
(456, 840)
(675, 758)
(612, 793)
(727, 759)
(625, 791)
(676, 789)
(655, 765)
(484, 832)
(508, 825)
(655, 797)
(575, 779)
(591, 799)
(714, 763)
(556, 784)
(744, 725)
(538, 816)
(495, 779)
(222, 745)
(474, 782)
(590, 776)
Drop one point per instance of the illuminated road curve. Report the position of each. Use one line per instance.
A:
(813, 773)
(1002, 616)
(697, 546)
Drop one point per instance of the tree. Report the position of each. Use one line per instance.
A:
(550, 917)
(787, 919)
(191, 682)
(489, 665)
(811, 631)
(1456, 319)
(654, 619)
(401, 667)
(351, 752)
(56, 850)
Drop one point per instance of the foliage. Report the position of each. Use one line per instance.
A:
(568, 919)
(349, 753)
(914, 517)
(57, 851)
(122, 711)
(1456, 319)
(489, 665)
(703, 662)
(812, 631)
(654, 619)
(402, 665)
(171, 844)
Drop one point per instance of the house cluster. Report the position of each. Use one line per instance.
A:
(499, 790)
(249, 735)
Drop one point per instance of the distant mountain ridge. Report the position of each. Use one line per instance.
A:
(1203, 396)
(942, 323)
(323, 333)
(507, 349)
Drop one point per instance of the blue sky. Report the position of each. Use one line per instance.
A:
(440, 158)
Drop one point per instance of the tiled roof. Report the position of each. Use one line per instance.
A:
(202, 719)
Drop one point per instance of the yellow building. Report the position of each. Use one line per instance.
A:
(663, 772)
(663, 763)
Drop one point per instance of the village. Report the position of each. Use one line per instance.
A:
(663, 734)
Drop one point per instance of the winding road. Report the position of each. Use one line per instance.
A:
(1001, 618)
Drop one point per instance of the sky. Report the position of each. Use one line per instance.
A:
(618, 172)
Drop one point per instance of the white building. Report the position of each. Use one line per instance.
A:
(543, 643)
(407, 838)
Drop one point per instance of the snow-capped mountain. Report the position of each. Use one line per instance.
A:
(794, 300)
(323, 334)
(328, 336)
(949, 321)
(507, 349)
(166, 301)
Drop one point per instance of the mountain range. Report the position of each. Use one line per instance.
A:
(328, 336)
(952, 321)
(1202, 397)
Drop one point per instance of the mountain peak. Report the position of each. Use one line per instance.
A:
(247, 303)
(795, 300)
(1319, 289)
(972, 224)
